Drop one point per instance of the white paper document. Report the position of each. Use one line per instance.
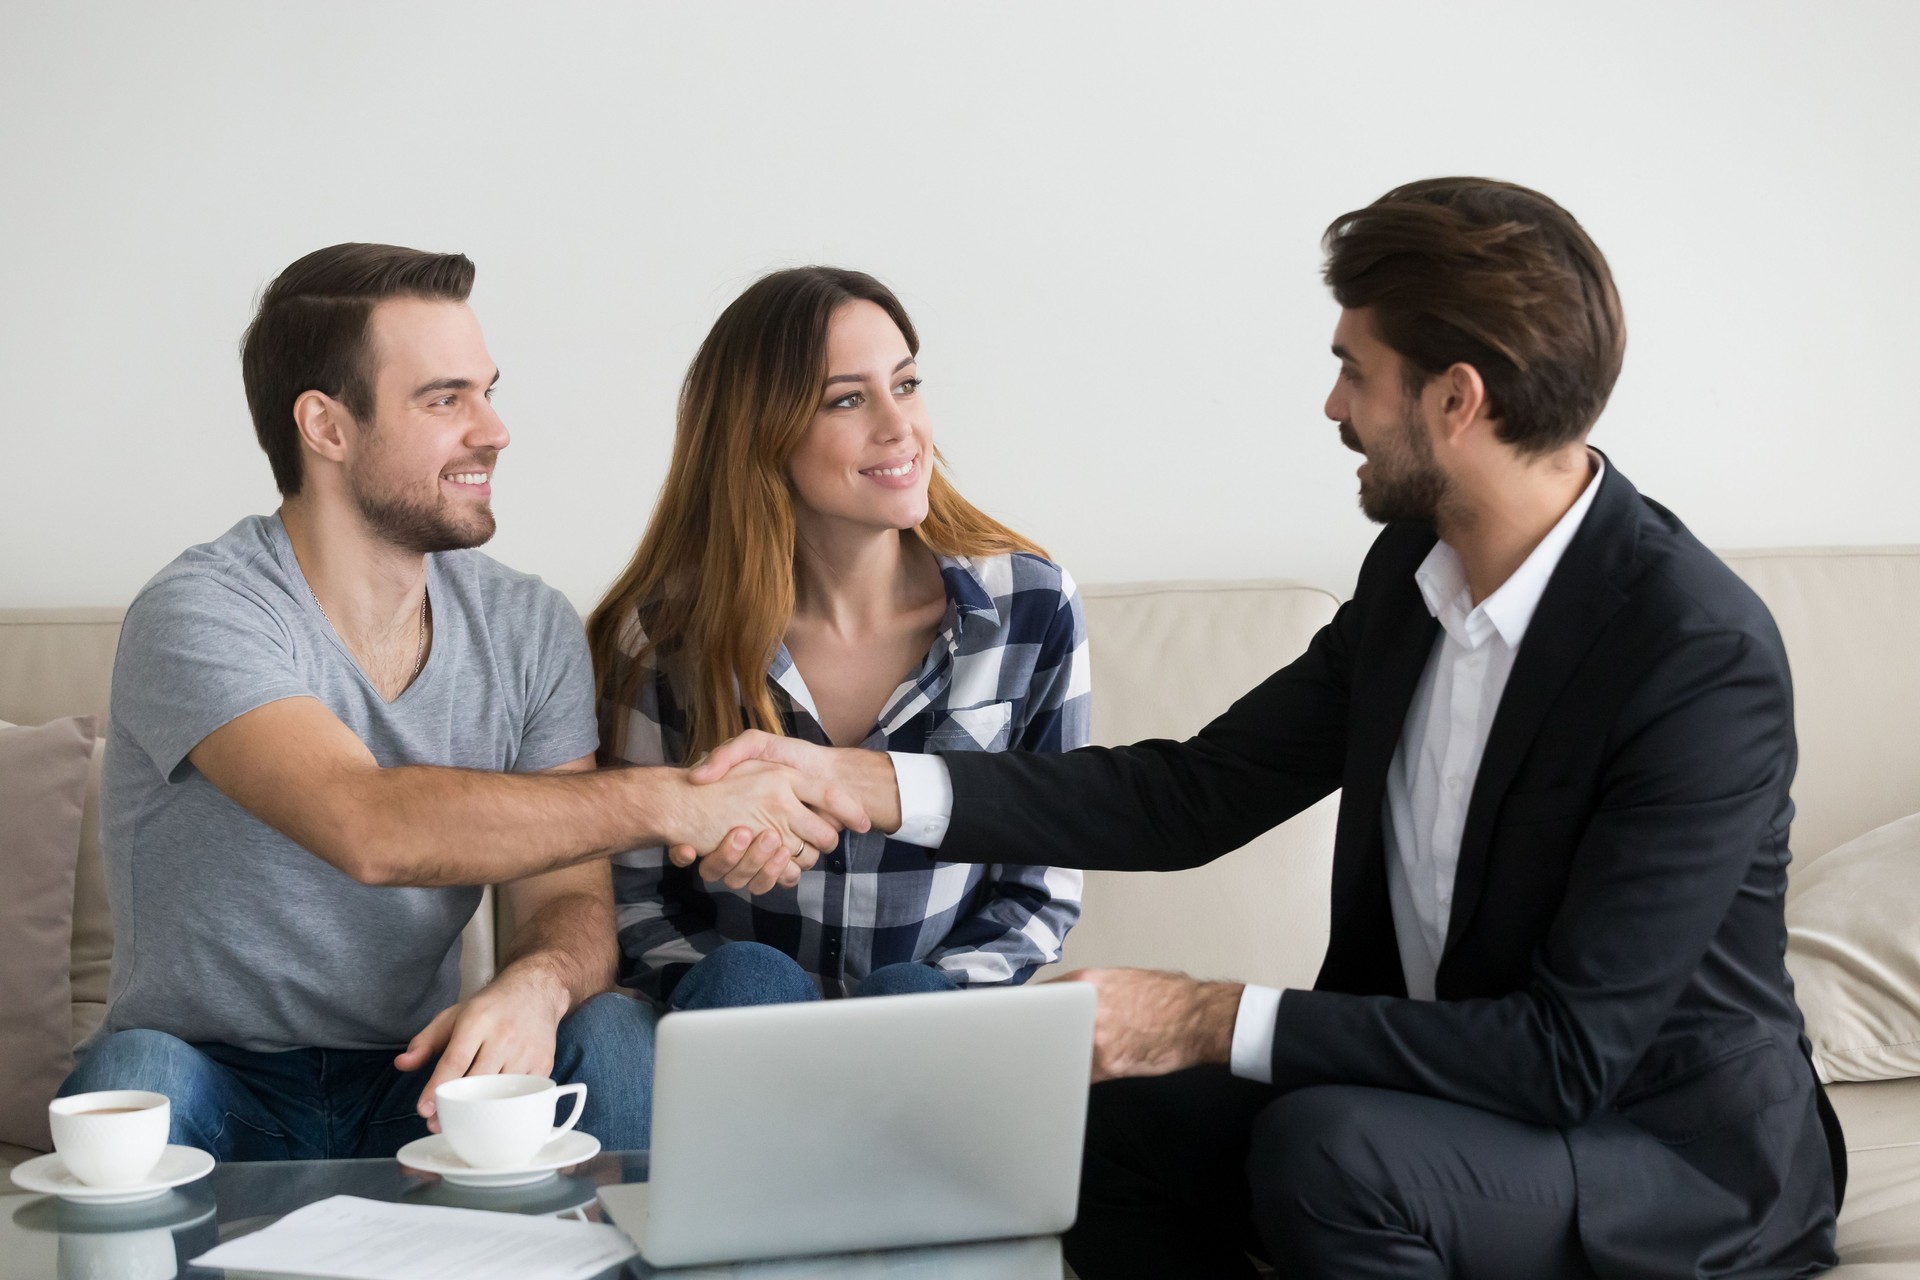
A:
(348, 1238)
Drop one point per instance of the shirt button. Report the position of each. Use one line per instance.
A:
(1453, 784)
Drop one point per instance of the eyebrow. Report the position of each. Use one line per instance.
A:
(854, 377)
(451, 384)
(1344, 354)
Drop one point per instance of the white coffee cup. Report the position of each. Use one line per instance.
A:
(501, 1122)
(112, 1138)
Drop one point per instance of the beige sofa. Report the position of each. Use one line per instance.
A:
(1169, 656)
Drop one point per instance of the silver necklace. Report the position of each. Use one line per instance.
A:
(419, 648)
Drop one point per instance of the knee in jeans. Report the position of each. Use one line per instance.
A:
(155, 1061)
(741, 973)
(609, 1021)
(139, 1059)
(909, 977)
(756, 959)
(610, 1033)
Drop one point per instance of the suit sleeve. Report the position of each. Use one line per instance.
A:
(1162, 805)
(1692, 795)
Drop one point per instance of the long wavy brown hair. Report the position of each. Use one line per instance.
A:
(709, 593)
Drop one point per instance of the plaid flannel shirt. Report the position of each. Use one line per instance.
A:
(1006, 672)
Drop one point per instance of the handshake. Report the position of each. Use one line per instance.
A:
(759, 809)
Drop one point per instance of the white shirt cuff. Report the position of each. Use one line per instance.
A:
(926, 798)
(1253, 1033)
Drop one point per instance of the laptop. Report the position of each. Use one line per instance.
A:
(843, 1125)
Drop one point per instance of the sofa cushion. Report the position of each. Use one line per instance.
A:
(1880, 1224)
(92, 962)
(1854, 951)
(43, 785)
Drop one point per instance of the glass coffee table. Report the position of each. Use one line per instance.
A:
(44, 1238)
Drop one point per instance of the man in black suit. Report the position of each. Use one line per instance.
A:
(1554, 1033)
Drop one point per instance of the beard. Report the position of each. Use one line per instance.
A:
(1404, 482)
(419, 519)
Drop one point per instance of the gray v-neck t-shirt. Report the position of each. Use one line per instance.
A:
(225, 930)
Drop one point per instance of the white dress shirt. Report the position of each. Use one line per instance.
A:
(926, 797)
(1431, 778)
(1429, 782)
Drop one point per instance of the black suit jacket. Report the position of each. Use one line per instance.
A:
(1614, 965)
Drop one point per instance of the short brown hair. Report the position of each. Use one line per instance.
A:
(1469, 270)
(310, 334)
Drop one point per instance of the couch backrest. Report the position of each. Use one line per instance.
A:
(1169, 656)
(56, 662)
(1850, 617)
(59, 662)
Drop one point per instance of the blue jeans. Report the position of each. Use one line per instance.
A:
(743, 973)
(337, 1104)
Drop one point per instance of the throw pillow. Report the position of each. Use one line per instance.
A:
(92, 922)
(1853, 947)
(43, 784)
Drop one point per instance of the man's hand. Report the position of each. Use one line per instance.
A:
(1150, 1023)
(862, 779)
(507, 1028)
(796, 815)
(755, 744)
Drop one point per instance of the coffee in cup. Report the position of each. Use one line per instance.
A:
(113, 1138)
(501, 1122)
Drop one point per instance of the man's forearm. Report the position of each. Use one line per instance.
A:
(427, 825)
(568, 946)
(868, 776)
(1211, 1019)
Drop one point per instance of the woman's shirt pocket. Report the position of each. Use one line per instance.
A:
(987, 727)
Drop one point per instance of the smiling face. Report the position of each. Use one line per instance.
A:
(1380, 418)
(420, 471)
(867, 454)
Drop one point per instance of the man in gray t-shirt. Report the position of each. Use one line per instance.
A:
(227, 930)
(332, 726)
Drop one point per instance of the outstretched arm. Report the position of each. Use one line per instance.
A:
(294, 765)
(206, 680)
(1156, 805)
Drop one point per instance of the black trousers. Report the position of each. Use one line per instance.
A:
(1187, 1174)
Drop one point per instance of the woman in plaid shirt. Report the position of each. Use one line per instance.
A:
(808, 570)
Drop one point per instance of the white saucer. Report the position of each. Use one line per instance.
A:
(49, 1176)
(434, 1154)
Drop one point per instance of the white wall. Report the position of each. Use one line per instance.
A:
(1104, 218)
